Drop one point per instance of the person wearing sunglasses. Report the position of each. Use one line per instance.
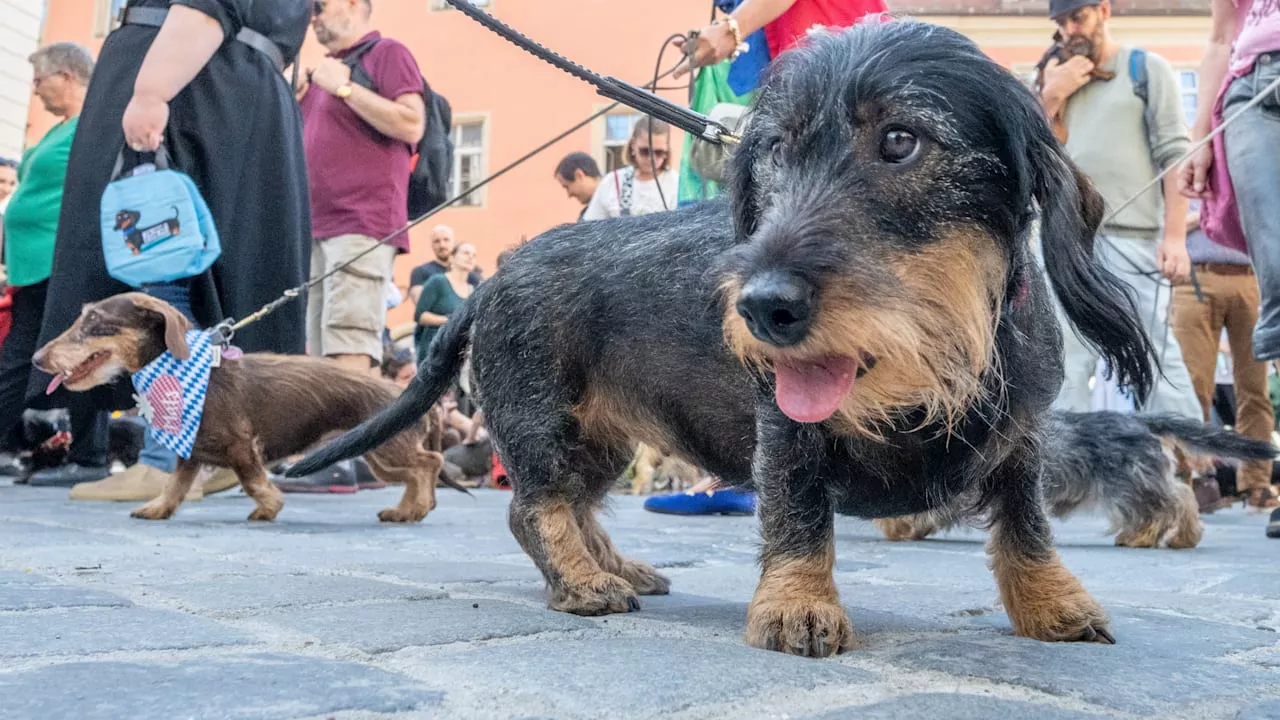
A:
(646, 184)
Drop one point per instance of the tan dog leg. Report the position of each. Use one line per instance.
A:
(418, 475)
(642, 576)
(163, 507)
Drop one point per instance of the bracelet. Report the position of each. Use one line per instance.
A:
(739, 46)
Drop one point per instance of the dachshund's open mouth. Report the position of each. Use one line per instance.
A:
(811, 391)
(79, 372)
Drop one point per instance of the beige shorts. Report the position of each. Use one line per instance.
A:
(348, 311)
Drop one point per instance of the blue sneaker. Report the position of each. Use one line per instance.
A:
(716, 502)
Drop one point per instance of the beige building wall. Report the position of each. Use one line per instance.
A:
(20, 26)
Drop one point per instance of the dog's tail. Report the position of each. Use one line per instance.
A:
(1204, 439)
(444, 359)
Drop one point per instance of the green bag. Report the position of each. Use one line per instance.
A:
(710, 88)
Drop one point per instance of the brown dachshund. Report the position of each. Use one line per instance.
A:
(260, 408)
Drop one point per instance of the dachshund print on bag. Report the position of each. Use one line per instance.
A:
(136, 238)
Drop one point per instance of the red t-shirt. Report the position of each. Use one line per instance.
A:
(359, 177)
(789, 28)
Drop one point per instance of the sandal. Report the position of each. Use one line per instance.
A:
(1261, 499)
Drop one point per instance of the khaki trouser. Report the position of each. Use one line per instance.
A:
(1230, 301)
(348, 311)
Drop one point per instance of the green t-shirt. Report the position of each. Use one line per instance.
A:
(31, 220)
(437, 297)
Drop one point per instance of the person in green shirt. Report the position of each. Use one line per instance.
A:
(61, 73)
(441, 295)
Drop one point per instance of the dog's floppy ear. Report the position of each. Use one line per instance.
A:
(1097, 302)
(175, 324)
(742, 186)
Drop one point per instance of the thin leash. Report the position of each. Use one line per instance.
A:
(222, 333)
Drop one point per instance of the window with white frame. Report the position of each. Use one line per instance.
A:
(617, 131)
(443, 5)
(105, 13)
(468, 161)
(1189, 88)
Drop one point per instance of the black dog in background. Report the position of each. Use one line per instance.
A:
(45, 440)
(864, 326)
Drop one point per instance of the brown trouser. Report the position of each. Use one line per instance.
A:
(1231, 300)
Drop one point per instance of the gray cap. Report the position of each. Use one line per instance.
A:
(1058, 8)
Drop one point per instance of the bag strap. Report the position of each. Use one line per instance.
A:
(359, 75)
(162, 161)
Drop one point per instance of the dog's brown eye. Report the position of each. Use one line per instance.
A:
(899, 146)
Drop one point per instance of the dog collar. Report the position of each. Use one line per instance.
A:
(171, 392)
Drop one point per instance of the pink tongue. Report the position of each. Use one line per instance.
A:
(53, 384)
(811, 392)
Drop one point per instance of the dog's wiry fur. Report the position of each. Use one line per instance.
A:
(920, 272)
(259, 409)
(1124, 465)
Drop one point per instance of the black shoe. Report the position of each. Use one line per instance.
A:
(1273, 527)
(69, 475)
(12, 469)
(338, 478)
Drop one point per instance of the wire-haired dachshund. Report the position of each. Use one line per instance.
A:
(862, 324)
(260, 408)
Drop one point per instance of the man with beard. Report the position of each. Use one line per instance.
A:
(1121, 138)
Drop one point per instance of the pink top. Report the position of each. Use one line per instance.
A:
(1257, 32)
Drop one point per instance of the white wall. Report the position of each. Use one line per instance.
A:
(20, 22)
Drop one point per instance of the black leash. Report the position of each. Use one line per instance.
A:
(624, 92)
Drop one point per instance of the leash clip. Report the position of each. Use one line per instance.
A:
(222, 333)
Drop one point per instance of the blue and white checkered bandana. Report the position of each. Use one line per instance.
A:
(171, 392)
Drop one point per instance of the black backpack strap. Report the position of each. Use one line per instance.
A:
(352, 60)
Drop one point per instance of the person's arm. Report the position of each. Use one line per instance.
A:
(1061, 81)
(1213, 70)
(1169, 142)
(430, 295)
(181, 49)
(716, 41)
(598, 208)
(417, 277)
(394, 70)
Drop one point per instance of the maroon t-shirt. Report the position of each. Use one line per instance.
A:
(359, 177)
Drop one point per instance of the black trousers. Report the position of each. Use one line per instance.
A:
(89, 427)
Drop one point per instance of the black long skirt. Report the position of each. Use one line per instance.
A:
(237, 131)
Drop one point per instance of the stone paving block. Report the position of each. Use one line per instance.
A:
(631, 676)
(40, 596)
(386, 627)
(274, 591)
(1157, 665)
(1251, 584)
(79, 631)
(252, 687)
(1265, 711)
(952, 706)
(446, 573)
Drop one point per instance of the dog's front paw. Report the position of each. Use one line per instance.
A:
(912, 527)
(399, 514)
(1056, 608)
(645, 579)
(601, 594)
(265, 514)
(155, 510)
(809, 628)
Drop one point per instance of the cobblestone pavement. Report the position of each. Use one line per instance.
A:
(325, 613)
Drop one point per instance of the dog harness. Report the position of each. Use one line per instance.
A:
(171, 392)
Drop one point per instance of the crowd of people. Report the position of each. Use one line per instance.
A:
(336, 148)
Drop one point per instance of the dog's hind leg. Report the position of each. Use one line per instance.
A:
(909, 527)
(1043, 599)
(642, 576)
(164, 506)
(403, 459)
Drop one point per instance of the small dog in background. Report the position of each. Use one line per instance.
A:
(656, 470)
(260, 408)
(1062, 50)
(1126, 466)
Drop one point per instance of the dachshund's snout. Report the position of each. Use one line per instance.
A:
(777, 307)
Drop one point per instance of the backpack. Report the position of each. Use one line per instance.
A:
(430, 176)
(156, 227)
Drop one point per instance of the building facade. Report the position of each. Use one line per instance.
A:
(506, 102)
(20, 30)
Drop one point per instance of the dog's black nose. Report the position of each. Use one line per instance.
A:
(778, 308)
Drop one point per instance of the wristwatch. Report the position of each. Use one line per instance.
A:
(343, 91)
